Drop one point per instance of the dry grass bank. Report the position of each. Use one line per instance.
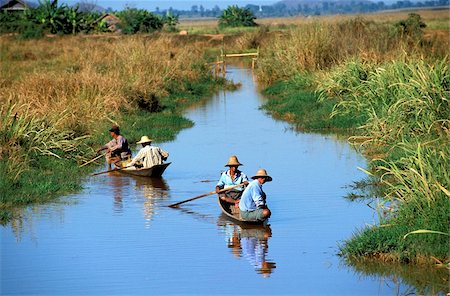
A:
(75, 81)
(430, 16)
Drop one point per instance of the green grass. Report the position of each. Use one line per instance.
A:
(35, 173)
(401, 110)
(296, 101)
(388, 238)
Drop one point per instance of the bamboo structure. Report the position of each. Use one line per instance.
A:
(220, 66)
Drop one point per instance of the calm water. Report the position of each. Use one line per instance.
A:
(119, 237)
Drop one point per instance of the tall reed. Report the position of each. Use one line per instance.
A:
(56, 93)
(320, 45)
(407, 106)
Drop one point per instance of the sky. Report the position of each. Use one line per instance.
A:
(176, 4)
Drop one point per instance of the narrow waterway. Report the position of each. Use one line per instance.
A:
(119, 237)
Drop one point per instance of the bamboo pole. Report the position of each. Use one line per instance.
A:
(203, 195)
(231, 55)
(92, 160)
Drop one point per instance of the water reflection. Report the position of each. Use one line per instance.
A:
(403, 279)
(118, 184)
(152, 191)
(251, 243)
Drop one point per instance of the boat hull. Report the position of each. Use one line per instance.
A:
(154, 171)
(233, 213)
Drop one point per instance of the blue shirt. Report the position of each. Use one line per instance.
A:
(225, 180)
(253, 197)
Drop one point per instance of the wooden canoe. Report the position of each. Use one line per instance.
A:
(154, 171)
(233, 213)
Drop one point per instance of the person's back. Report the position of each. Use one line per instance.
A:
(253, 197)
(149, 155)
(253, 201)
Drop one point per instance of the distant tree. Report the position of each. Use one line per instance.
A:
(412, 26)
(215, 10)
(234, 16)
(170, 21)
(135, 20)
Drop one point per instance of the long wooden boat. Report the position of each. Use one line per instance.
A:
(154, 171)
(233, 213)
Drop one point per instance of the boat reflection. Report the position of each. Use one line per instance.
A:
(151, 191)
(154, 190)
(249, 242)
(118, 185)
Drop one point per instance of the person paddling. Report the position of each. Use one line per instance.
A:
(253, 201)
(233, 176)
(149, 155)
(117, 149)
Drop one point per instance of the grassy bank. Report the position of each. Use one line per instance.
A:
(390, 83)
(60, 96)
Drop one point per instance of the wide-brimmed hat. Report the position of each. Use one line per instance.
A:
(262, 173)
(233, 161)
(115, 129)
(144, 139)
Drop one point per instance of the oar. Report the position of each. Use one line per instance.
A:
(203, 195)
(93, 160)
(113, 170)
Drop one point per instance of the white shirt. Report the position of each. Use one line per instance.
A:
(150, 156)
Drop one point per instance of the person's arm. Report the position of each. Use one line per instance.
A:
(258, 197)
(138, 157)
(221, 183)
(244, 179)
(163, 153)
(118, 145)
(106, 146)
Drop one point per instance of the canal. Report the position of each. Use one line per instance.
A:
(119, 237)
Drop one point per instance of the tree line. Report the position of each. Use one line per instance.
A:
(306, 8)
(51, 18)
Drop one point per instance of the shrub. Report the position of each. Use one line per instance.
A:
(139, 20)
(234, 16)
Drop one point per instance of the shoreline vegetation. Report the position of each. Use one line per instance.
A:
(61, 95)
(383, 78)
(388, 84)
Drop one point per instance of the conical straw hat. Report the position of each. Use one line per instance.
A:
(233, 161)
(144, 139)
(262, 173)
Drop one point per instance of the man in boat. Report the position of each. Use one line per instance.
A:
(149, 155)
(233, 176)
(117, 149)
(253, 201)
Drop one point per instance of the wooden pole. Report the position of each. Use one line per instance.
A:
(93, 160)
(203, 195)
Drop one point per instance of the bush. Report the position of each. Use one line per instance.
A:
(234, 16)
(139, 20)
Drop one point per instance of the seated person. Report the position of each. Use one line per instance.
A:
(232, 177)
(117, 149)
(253, 201)
(149, 155)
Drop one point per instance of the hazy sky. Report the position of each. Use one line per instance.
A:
(176, 4)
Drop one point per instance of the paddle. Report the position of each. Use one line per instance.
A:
(113, 170)
(92, 160)
(203, 195)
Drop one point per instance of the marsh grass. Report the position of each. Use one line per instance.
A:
(393, 89)
(407, 109)
(59, 96)
(427, 280)
(320, 45)
(296, 101)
